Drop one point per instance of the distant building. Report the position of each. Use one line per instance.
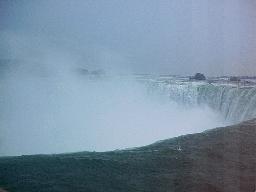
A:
(198, 76)
(235, 79)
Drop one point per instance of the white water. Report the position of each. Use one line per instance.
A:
(235, 103)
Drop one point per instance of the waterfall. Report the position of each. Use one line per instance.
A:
(235, 103)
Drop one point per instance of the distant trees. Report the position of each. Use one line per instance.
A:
(96, 73)
(199, 77)
(83, 71)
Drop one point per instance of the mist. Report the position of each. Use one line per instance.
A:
(68, 112)
(48, 106)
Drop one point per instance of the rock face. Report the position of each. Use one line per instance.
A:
(219, 160)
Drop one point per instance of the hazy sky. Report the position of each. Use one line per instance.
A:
(154, 36)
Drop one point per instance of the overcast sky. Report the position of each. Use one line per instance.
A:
(215, 37)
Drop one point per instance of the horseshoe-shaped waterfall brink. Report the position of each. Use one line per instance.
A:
(234, 100)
